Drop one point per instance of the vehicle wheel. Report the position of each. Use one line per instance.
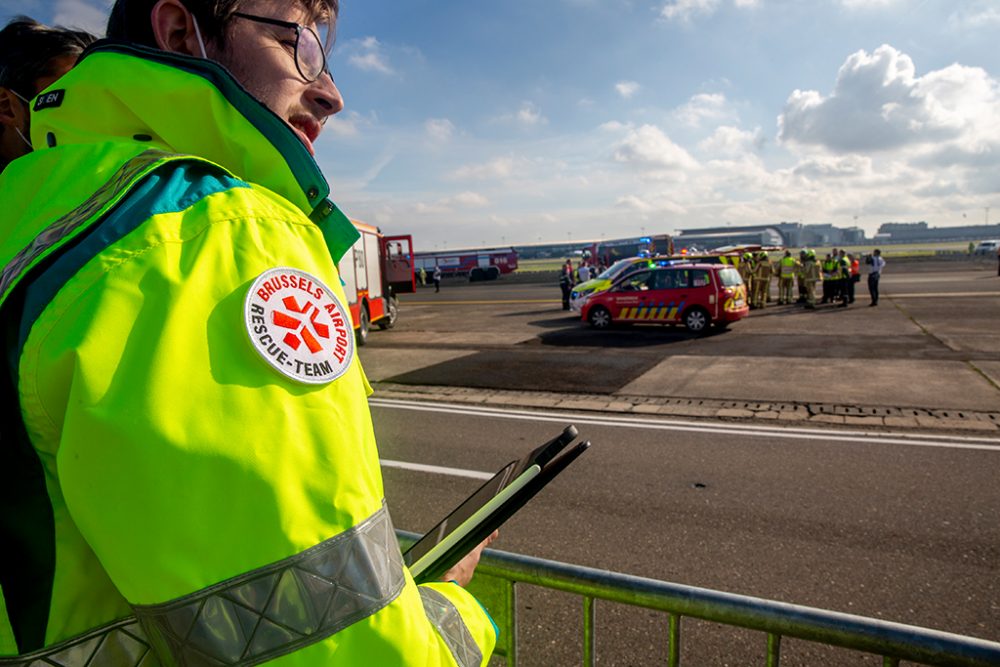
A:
(476, 275)
(389, 321)
(599, 317)
(492, 273)
(361, 335)
(696, 320)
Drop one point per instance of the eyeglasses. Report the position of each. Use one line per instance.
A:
(310, 56)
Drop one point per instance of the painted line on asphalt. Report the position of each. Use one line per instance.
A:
(437, 470)
(936, 295)
(478, 303)
(791, 433)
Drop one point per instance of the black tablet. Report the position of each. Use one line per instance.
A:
(486, 509)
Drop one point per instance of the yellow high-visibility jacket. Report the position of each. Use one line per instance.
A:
(197, 474)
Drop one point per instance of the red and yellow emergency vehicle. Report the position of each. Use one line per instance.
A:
(375, 270)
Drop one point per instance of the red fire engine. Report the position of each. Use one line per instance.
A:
(478, 264)
(374, 271)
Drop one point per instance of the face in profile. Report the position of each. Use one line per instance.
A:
(262, 57)
(15, 117)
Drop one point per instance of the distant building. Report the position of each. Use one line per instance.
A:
(919, 232)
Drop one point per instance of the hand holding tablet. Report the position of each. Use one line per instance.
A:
(481, 514)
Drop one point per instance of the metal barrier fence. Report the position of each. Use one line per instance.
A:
(891, 641)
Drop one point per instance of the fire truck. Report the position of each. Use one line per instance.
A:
(375, 270)
(478, 264)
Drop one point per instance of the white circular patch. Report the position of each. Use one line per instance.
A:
(299, 326)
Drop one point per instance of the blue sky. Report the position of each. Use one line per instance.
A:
(474, 123)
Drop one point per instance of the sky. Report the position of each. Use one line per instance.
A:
(489, 123)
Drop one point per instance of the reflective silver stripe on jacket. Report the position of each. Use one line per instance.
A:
(445, 617)
(69, 223)
(120, 644)
(282, 607)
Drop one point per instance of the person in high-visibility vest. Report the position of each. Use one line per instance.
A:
(787, 268)
(829, 277)
(761, 279)
(800, 277)
(199, 481)
(844, 278)
(811, 276)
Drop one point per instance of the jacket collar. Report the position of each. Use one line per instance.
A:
(122, 92)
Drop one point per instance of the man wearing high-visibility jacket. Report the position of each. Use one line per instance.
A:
(787, 268)
(197, 470)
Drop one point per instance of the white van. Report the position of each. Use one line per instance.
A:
(986, 248)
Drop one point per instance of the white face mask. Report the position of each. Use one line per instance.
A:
(26, 141)
(197, 33)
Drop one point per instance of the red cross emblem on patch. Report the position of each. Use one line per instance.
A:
(299, 326)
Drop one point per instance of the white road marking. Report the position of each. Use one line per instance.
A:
(937, 295)
(792, 433)
(438, 470)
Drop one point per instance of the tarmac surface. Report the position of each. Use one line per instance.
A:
(844, 459)
(928, 356)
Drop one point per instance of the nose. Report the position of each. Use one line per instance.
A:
(325, 97)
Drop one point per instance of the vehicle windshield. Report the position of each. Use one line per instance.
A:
(616, 268)
(730, 277)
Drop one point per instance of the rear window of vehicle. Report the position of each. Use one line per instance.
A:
(700, 278)
(730, 277)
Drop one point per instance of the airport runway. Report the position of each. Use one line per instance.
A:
(894, 523)
(932, 343)
(904, 527)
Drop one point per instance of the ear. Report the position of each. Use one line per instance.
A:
(12, 111)
(173, 28)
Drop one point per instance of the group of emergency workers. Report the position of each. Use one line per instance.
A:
(838, 274)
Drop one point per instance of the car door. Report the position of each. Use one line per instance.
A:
(630, 296)
(671, 295)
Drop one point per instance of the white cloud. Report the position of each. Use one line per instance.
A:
(684, 11)
(627, 88)
(981, 15)
(462, 200)
(614, 126)
(89, 15)
(527, 115)
(879, 103)
(439, 130)
(729, 141)
(468, 200)
(649, 149)
(348, 124)
(368, 55)
(498, 168)
(649, 205)
(702, 107)
(849, 166)
(867, 4)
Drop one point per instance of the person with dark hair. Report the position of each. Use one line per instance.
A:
(185, 417)
(32, 57)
